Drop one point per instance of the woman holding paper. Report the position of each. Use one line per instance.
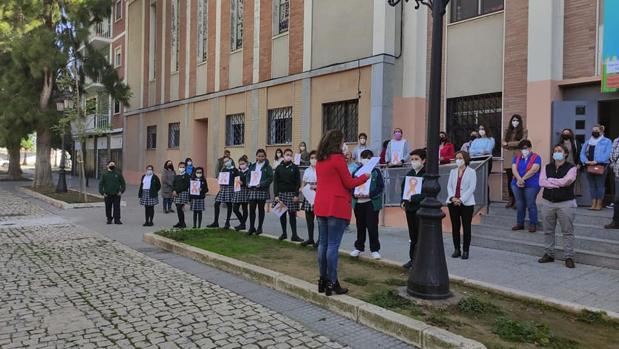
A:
(225, 195)
(397, 149)
(241, 194)
(181, 193)
(197, 192)
(333, 207)
(260, 178)
(411, 199)
(149, 194)
(286, 184)
(461, 202)
(309, 195)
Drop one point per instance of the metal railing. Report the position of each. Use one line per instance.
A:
(102, 121)
(102, 29)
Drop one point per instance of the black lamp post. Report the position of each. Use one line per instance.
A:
(428, 278)
(61, 187)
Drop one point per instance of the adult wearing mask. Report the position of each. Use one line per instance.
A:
(573, 151)
(149, 194)
(558, 203)
(525, 185)
(595, 156)
(467, 145)
(412, 204)
(189, 166)
(446, 150)
(167, 182)
(361, 146)
(304, 154)
(333, 207)
(481, 149)
(259, 194)
(514, 133)
(112, 186)
(181, 193)
(461, 202)
(397, 149)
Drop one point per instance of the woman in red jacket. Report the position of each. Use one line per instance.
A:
(332, 207)
(447, 151)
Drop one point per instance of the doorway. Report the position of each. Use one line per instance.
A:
(608, 111)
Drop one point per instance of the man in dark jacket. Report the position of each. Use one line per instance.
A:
(112, 186)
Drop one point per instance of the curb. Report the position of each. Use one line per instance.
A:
(402, 327)
(61, 204)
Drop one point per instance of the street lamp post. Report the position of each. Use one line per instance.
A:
(428, 278)
(61, 187)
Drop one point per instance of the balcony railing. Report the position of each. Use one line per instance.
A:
(102, 30)
(102, 121)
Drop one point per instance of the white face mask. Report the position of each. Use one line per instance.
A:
(417, 165)
(149, 172)
(365, 161)
(243, 167)
(199, 175)
(515, 123)
(482, 133)
(181, 170)
(459, 162)
(525, 152)
(189, 163)
(313, 162)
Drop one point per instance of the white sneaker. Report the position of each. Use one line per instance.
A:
(375, 255)
(355, 253)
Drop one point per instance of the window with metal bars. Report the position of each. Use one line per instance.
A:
(236, 24)
(342, 116)
(235, 129)
(466, 114)
(282, 11)
(280, 126)
(174, 135)
(465, 9)
(202, 30)
(151, 137)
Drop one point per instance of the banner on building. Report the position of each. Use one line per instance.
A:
(610, 52)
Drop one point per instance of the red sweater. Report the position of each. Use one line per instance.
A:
(447, 153)
(334, 188)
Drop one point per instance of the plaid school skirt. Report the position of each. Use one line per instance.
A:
(241, 197)
(182, 198)
(226, 194)
(258, 195)
(197, 204)
(146, 200)
(287, 199)
(307, 207)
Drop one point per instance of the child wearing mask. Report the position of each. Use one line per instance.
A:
(181, 193)
(225, 194)
(309, 178)
(304, 154)
(286, 184)
(411, 205)
(363, 139)
(397, 147)
(149, 194)
(241, 198)
(367, 208)
(258, 195)
(189, 166)
(197, 201)
(279, 156)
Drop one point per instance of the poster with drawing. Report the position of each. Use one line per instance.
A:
(254, 178)
(224, 178)
(412, 186)
(194, 188)
(279, 209)
(363, 189)
(237, 184)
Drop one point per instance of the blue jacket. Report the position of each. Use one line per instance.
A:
(601, 154)
(481, 147)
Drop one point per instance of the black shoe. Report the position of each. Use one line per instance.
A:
(170, 211)
(239, 227)
(408, 265)
(322, 284)
(109, 221)
(308, 242)
(569, 263)
(259, 231)
(465, 255)
(612, 225)
(251, 231)
(456, 254)
(118, 222)
(145, 224)
(165, 211)
(283, 237)
(182, 226)
(295, 238)
(546, 259)
(177, 225)
(227, 226)
(213, 225)
(150, 224)
(335, 288)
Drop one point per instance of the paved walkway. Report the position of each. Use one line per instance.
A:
(586, 285)
(64, 285)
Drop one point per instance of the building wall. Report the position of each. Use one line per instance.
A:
(134, 50)
(579, 40)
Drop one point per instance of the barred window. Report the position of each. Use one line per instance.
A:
(174, 135)
(465, 114)
(281, 10)
(151, 137)
(280, 126)
(236, 19)
(202, 30)
(235, 129)
(465, 9)
(342, 116)
(175, 30)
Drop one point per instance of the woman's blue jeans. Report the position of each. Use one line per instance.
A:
(525, 200)
(596, 185)
(330, 231)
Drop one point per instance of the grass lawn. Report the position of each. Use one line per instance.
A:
(70, 197)
(497, 321)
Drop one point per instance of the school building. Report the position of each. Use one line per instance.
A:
(209, 75)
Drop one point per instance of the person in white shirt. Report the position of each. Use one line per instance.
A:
(461, 202)
(397, 150)
(362, 145)
(310, 179)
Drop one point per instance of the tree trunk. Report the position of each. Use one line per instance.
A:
(14, 167)
(25, 158)
(43, 167)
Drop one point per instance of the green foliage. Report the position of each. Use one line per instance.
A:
(523, 332)
(395, 282)
(28, 142)
(592, 317)
(390, 299)
(473, 305)
(359, 281)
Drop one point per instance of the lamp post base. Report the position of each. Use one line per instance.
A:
(61, 187)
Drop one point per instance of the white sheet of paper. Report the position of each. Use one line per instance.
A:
(237, 184)
(297, 159)
(194, 188)
(309, 194)
(224, 178)
(369, 167)
(279, 209)
(412, 186)
(363, 189)
(254, 179)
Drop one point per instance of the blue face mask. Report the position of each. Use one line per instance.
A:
(558, 156)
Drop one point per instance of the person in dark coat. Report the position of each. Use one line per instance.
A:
(167, 180)
(181, 193)
(286, 184)
(112, 186)
(258, 195)
(197, 201)
(411, 205)
(149, 194)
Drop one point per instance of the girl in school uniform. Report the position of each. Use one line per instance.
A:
(225, 195)
(149, 194)
(241, 198)
(181, 193)
(286, 183)
(197, 201)
(258, 195)
(309, 178)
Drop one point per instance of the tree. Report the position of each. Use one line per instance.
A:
(27, 144)
(45, 37)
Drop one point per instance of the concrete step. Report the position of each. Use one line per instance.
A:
(582, 216)
(587, 243)
(536, 249)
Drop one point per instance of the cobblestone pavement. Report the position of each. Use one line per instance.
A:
(63, 287)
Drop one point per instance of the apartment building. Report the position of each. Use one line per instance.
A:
(209, 75)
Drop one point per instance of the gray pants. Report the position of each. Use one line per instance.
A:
(563, 213)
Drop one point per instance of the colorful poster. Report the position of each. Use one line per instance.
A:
(279, 209)
(194, 188)
(610, 48)
(254, 178)
(364, 189)
(237, 184)
(412, 186)
(224, 178)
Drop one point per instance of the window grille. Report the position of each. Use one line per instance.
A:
(236, 17)
(465, 114)
(202, 30)
(235, 129)
(174, 135)
(342, 116)
(465, 9)
(283, 11)
(151, 137)
(280, 126)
